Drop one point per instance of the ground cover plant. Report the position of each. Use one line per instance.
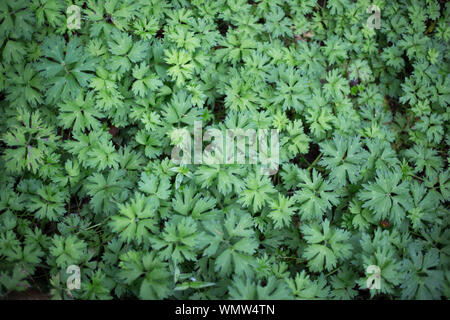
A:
(96, 94)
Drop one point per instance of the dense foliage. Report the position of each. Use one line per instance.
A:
(90, 116)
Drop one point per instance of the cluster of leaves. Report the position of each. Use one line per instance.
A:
(90, 117)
